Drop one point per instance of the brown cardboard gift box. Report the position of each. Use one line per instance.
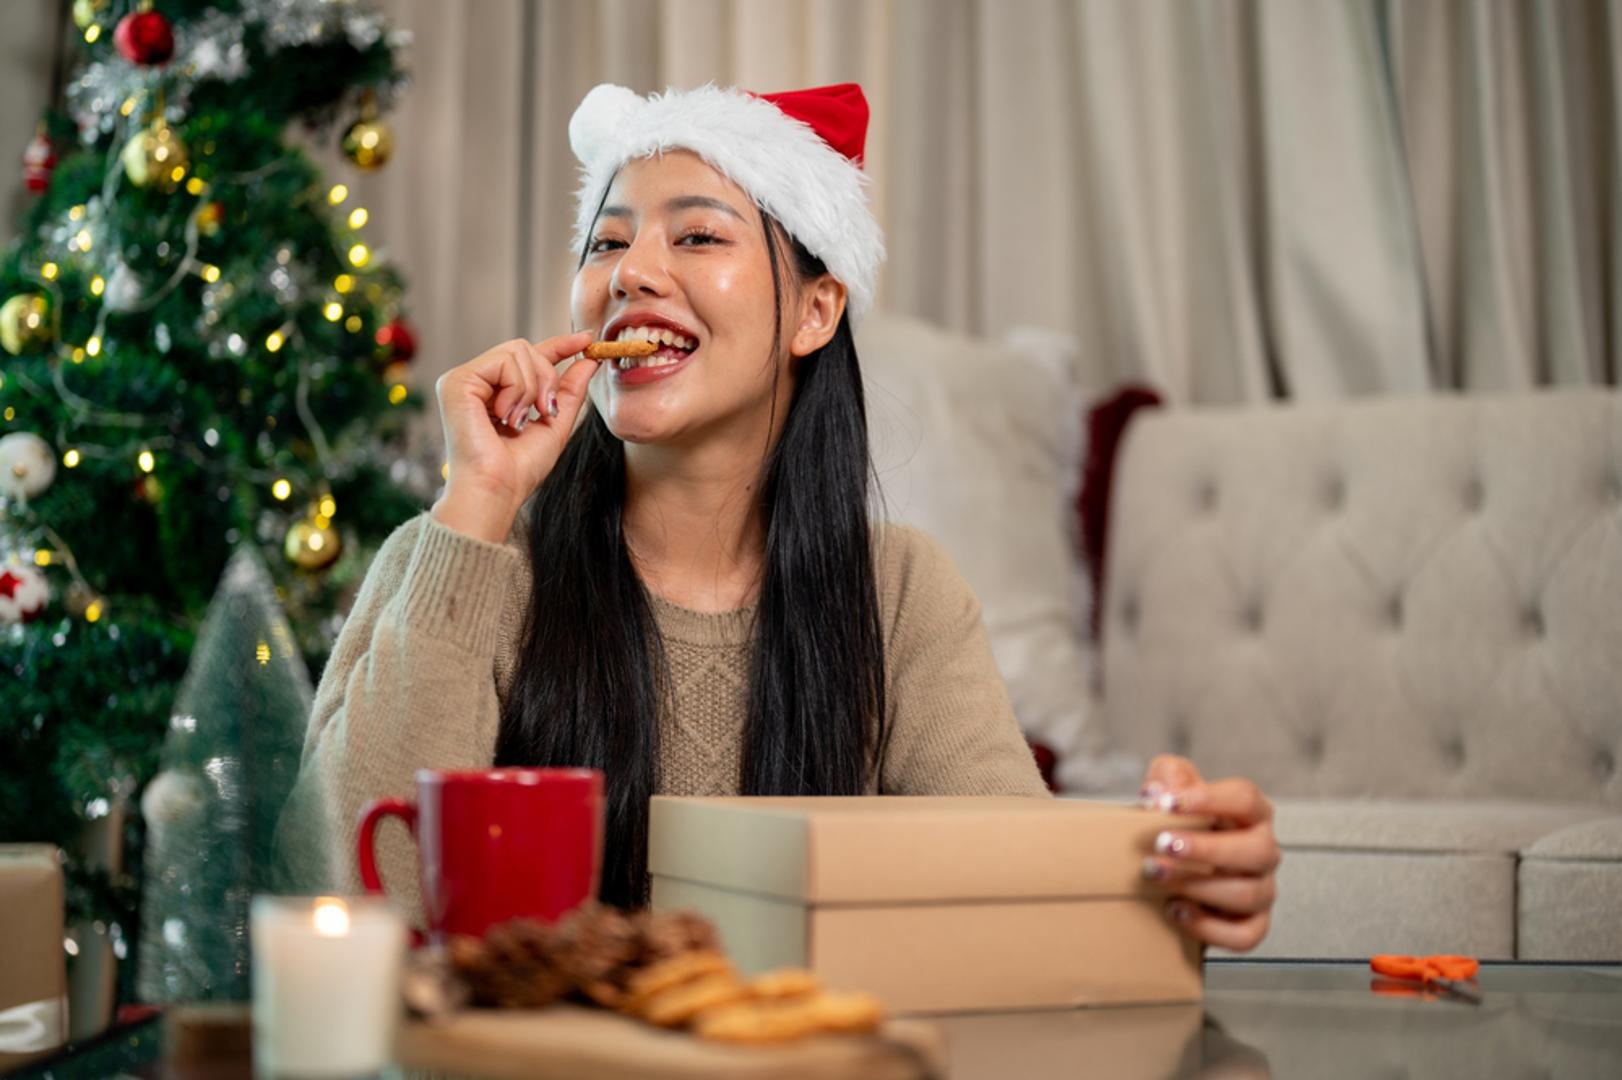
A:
(33, 979)
(936, 904)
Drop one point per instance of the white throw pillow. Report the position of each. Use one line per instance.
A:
(978, 444)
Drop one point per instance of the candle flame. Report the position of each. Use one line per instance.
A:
(331, 917)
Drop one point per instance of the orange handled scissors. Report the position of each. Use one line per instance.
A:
(1446, 973)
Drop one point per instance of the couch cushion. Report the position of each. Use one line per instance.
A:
(1407, 597)
(993, 476)
(1498, 827)
(1570, 894)
(1406, 876)
(1353, 904)
(1599, 839)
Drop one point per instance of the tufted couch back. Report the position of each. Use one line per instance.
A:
(1417, 597)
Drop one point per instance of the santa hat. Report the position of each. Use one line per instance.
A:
(798, 154)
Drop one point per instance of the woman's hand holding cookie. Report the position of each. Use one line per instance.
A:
(497, 454)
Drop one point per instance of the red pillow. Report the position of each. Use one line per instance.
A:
(1106, 424)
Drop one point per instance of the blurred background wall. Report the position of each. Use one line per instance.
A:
(1232, 200)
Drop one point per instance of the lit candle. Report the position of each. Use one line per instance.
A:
(326, 985)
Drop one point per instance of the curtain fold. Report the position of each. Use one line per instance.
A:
(1232, 200)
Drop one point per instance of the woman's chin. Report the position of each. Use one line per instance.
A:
(642, 425)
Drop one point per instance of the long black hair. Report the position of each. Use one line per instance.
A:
(591, 677)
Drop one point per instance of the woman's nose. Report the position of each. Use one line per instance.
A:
(639, 270)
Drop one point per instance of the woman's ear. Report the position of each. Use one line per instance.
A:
(821, 307)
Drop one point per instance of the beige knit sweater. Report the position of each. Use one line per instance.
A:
(426, 657)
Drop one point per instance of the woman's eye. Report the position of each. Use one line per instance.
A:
(699, 236)
(603, 243)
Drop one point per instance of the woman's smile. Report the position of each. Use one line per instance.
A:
(639, 371)
(676, 344)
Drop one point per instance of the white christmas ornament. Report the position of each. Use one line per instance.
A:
(27, 465)
(124, 291)
(172, 797)
(24, 592)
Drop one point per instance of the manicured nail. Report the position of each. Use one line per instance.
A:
(522, 420)
(1171, 844)
(552, 405)
(1153, 870)
(1149, 794)
(1179, 911)
(534, 414)
(1169, 802)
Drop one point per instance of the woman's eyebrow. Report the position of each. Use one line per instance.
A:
(680, 202)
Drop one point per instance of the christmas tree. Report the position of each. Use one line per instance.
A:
(200, 351)
(211, 814)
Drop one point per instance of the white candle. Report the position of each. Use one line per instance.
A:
(326, 985)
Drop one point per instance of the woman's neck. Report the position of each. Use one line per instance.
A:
(694, 525)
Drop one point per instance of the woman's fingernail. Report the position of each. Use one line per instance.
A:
(1149, 794)
(1169, 802)
(1153, 870)
(522, 420)
(534, 414)
(552, 405)
(1179, 911)
(1171, 844)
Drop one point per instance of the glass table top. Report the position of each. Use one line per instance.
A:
(1260, 1018)
(1316, 1019)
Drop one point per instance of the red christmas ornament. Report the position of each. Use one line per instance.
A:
(23, 594)
(209, 218)
(147, 488)
(39, 161)
(144, 37)
(397, 340)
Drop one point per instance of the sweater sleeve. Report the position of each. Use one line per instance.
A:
(411, 684)
(951, 729)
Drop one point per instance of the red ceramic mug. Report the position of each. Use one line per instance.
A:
(496, 844)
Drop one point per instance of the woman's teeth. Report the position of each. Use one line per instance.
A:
(674, 346)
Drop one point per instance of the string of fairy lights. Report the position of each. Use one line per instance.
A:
(83, 247)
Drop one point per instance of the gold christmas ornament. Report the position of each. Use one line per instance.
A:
(312, 543)
(369, 144)
(155, 157)
(81, 598)
(25, 324)
(86, 13)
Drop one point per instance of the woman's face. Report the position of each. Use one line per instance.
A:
(679, 247)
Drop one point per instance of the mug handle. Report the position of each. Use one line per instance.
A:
(365, 844)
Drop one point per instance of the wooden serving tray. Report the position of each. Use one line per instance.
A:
(572, 1042)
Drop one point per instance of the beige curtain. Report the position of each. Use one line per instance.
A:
(1231, 199)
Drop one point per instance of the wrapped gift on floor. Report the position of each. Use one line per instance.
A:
(935, 904)
(33, 978)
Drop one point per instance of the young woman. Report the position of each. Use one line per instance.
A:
(665, 568)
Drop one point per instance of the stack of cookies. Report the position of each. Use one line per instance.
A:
(663, 968)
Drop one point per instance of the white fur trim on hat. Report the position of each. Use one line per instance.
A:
(817, 193)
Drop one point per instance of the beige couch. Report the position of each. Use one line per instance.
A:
(1403, 618)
